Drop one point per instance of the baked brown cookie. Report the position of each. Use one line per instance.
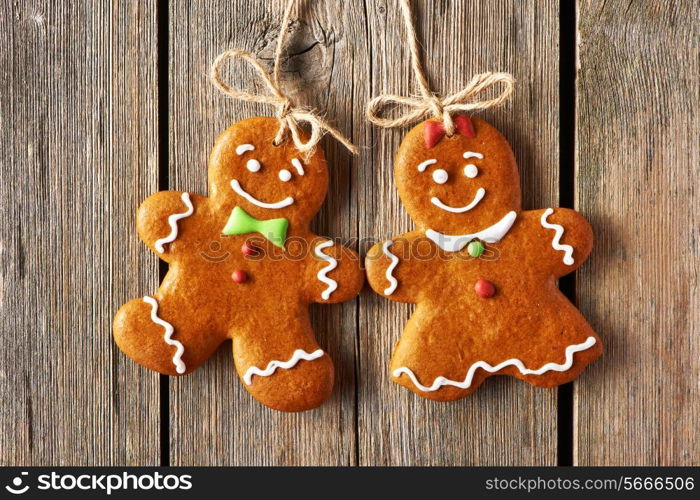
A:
(243, 266)
(481, 270)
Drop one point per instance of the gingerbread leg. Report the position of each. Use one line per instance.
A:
(281, 365)
(430, 361)
(150, 332)
(566, 346)
(443, 365)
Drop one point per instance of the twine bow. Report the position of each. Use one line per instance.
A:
(428, 104)
(290, 116)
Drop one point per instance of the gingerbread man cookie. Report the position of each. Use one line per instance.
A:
(243, 266)
(481, 270)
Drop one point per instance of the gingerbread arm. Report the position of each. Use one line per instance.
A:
(564, 239)
(160, 218)
(334, 272)
(398, 268)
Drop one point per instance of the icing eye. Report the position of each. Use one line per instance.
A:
(440, 176)
(471, 171)
(253, 165)
(285, 175)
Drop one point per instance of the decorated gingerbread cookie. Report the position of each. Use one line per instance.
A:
(243, 266)
(481, 270)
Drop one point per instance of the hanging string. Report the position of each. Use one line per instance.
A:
(428, 104)
(290, 117)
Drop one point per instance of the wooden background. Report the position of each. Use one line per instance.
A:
(103, 103)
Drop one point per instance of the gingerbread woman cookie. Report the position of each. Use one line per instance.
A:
(243, 266)
(481, 270)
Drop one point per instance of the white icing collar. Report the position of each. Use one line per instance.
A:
(492, 234)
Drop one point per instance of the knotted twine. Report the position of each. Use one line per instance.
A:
(429, 104)
(289, 116)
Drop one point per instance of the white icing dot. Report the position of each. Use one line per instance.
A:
(471, 171)
(253, 165)
(285, 175)
(440, 176)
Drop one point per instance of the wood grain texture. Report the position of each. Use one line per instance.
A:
(213, 419)
(637, 182)
(80, 150)
(78, 139)
(506, 422)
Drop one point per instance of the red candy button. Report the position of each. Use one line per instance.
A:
(248, 249)
(239, 276)
(485, 289)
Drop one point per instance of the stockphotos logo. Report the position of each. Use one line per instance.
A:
(16, 487)
(107, 483)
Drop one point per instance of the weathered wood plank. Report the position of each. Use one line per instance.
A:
(637, 182)
(79, 152)
(506, 421)
(213, 419)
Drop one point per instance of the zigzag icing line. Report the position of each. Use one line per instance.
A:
(169, 330)
(172, 220)
(440, 381)
(567, 249)
(323, 273)
(298, 355)
(393, 282)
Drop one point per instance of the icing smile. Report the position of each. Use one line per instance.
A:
(236, 186)
(458, 210)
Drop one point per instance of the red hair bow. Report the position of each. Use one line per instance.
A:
(433, 131)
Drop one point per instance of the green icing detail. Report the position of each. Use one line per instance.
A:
(240, 222)
(475, 248)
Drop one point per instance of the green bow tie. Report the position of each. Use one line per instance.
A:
(240, 222)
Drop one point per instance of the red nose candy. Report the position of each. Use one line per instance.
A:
(248, 249)
(485, 289)
(239, 276)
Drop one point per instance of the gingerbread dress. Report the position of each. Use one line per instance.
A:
(481, 270)
(243, 266)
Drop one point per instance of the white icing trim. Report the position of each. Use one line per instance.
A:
(422, 166)
(241, 192)
(477, 198)
(492, 234)
(298, 355)
(472, 154)
(243, 148)
(393, 282)
(323, 273)
(169, 330)
(172, 220)
(440, 381)
(567, 249)
(297, 164)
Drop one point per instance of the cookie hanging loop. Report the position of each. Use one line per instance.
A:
(429, 104)
(289, 116)
(431, 100)
(283, 111)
